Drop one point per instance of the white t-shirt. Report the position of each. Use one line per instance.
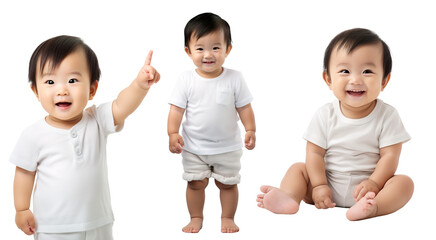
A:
(72, 190)
(211, 120)
(353, 145)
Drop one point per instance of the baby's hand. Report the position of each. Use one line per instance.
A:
(147, 76)
(176, 143)
(363, 188)
(25, 221)
(322, 197)
(250, 140)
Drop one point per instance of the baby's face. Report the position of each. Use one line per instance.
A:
(208, 53)
(356, 78)
(65, 92)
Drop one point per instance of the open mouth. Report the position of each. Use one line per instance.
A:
(356, 93)
(208, 62)
(63, 104)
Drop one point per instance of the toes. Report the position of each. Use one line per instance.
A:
(265, 188)
(370, 195)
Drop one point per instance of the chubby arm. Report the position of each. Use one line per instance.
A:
(23, 187)
(130, 98)
(174, 120)
(384, 170)
(247, 118)
(315, 165)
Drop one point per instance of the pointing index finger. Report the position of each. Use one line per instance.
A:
(148, 59)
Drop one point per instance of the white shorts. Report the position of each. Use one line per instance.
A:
(101, 233)
(223, 167)
(342, 186)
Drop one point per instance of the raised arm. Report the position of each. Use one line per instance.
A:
(246, 115)
(23, 187)
(130, 98)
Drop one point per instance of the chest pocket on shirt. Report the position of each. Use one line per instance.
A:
(224, 96)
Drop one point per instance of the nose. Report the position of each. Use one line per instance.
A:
(208, 54)
(356, 79)
(62, 90)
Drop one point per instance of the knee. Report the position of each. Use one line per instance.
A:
(198, 184)
(223, 186)
(406, 182)
(298, 167)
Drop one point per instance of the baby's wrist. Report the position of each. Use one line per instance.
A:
(319, 186)
(375, 183)
(21, 210)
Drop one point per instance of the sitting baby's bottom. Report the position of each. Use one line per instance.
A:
(343, 184)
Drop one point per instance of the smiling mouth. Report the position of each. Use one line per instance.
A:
(356, 93)
(208, 62)
(63, 104)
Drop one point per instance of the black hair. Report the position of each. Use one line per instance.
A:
(204, 24)
(350, 39)
(55, 50)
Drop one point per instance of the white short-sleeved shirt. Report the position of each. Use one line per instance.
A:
(211, 120)
(72, 190)
(353, 145)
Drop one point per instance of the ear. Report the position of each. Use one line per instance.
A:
(229, 48)
(188, 51)
(385, 81)
(93, 90)
(327, 78)
(34, 90)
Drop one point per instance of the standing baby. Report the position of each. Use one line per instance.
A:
(67, 149)
(212, 97)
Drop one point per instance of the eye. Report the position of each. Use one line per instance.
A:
(344, 71)
(199, 49)
(73, 80)
(367, 71)
(216, 48)
(49, 82)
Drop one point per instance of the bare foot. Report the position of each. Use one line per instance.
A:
(366, 207)
(194, 226)
(228, 225)
(277, 201)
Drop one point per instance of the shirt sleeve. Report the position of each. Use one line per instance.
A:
(242, 94)
(316, 132)
(393, 130)
(25, 153)
(105, 118)
(179, 96)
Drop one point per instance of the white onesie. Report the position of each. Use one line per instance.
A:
(353, 145)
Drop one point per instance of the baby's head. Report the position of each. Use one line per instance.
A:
(204, 24)
(208, 42)
(64, 75)
(50, 53)
(353, 38)
(357, 67)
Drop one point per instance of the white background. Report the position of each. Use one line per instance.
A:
(279, 47)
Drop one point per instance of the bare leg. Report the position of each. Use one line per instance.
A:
(394, 195)
(229, 203)
(195, 199)
(295, 187)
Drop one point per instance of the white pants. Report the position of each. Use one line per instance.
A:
(101, 233)
(223, 167)
(342, 186)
